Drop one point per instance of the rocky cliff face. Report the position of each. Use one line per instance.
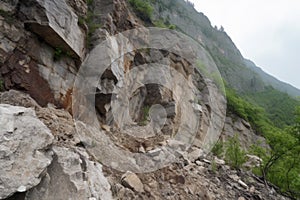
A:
(42, 48)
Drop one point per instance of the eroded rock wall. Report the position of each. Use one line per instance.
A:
(30, 63)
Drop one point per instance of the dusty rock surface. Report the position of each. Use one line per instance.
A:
(56, 23)
(132, 181)
(24, 149)
(71, 176)
(75, 174)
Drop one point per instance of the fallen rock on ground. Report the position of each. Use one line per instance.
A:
(24, 149)
(72, 176)
(132, 181)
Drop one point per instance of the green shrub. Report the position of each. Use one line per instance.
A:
(90, 2)
(58, 53)
(162, 24)
(214, 166)
(279, 106)
(1, 85)
(143, 9)
(145, 115)
(218, 149)
(282, 165)
(89, 21)
(234, 155)
(256, 115)
(172, 26)
(258, 150)
(81, 21)
(281, 162)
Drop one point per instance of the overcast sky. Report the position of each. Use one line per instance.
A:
(265, 31)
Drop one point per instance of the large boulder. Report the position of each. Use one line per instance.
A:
(56, 23)
(24, 149)
(72, 176)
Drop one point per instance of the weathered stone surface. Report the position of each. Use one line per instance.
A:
(132, 181)
(60, 74)
(115, 15)
(195, 154)
(235, 125)
(219, 161)
(252, 161)
(9, 34)
(17, 98)
(56, 23)
(80, 6)
(71, 176)
(59, 121)
(8, 5)
(24, 155)
(21, 72)
(27, 63)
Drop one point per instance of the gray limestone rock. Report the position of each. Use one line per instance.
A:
(24, 155)
(72, 176)
(56, 23)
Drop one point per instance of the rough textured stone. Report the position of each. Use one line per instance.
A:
(235, 125)
(195, 154)
(21, 72)
(252, 161)
(17, 98)
(56, 23)
(59, 121)
(132, 181)
(80, 6)
(71, 176)
(24, 155)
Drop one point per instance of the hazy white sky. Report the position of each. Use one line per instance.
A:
(265, 31)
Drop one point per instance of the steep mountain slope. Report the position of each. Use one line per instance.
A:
(270, 80)
(237, 72)
(60, 134)
(241, 74)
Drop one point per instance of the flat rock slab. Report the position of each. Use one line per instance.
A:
(24, 155)
(57, 24)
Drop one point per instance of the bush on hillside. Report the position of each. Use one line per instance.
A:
(143, 9)
(281, 162)
(234, 155)
(1, 85)
(218, 149)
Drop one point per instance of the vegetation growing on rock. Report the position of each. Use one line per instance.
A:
(234, 155)
(1, 85)
(142, 8)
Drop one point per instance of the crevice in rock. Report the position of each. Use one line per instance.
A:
(17, 196)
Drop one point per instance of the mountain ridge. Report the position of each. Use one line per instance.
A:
(221, 47)
(273, 81)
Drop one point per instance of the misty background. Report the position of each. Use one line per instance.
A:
(266, 32)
